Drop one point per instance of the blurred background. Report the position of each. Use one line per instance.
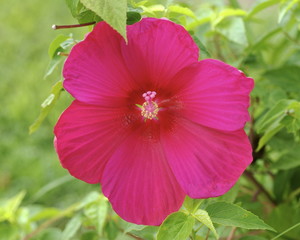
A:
(29, 162)
(266, 46)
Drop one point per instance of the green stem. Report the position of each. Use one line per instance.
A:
(289, 229)
(63, 214)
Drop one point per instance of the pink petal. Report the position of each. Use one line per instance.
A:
(215, 95)
(95, 71)
(86, 137)
(139, 182)
(205, 161)
(157, 49)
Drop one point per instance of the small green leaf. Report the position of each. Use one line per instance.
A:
(96, 211)
(182, 10)
(228, 12)
(261, 6)
(286, 113)
(288, 161)
(176, 226)
(59, 44)
(52, 65)
(55, 44)
(10, 207)
(197, 23)
(234, 30)
(285, 8)
(71, 228)
(81, 13)
(285, 77)
(111, 11)
(73, 6)
(44, 214)
(229, 214)
(201, 46)
(192, 204)
(275, 114)
(47, 105)
(203, 217)
(271, 131)
(133, 17)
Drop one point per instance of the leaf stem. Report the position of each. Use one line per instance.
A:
(55, 27)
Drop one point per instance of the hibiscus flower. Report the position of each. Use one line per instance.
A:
(150, 122)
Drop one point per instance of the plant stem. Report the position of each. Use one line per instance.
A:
(289, 229)
(51, 221)
(55, 27)
(250, 176)
(207, 235)
(231, 234)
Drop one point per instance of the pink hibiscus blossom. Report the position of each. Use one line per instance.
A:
(150, 122)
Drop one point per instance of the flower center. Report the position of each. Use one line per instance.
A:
(149, 109)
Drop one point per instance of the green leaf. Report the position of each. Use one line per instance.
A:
(275, 128)
(111, 11)
(192, 204)
(284, 155)
(285, 8)
(59, 44)
(289, 159)
(281, 184)
(44, 214)
(55, 44)
(253, 238)
(48, 234)
(71, 228)
(261, 6)
(73, 6)
(111, 230)
(284, 217)
(228, 12)
(96, 211)
(133, 17)
(234, 30)
(286, 113)
(231, 195)
(92, 197)
(10, 207)
(176, 226)
(197, 23)
(182, 10)
(154, 9)
(229, 214)
(201, 46)
(285, 77)
(203, 217)
(47, 106)
(147, 233)
(55, 61)
(275, 114)
(90, 235)
(82, 14)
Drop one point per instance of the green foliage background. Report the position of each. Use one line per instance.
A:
(38, 198)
